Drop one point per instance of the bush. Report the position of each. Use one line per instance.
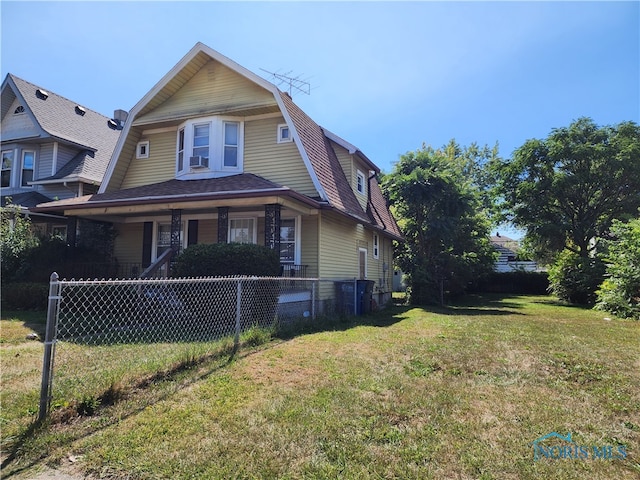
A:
(575, 279)
(227, 259)
(518, 281)
(25, 296)
(620, 292)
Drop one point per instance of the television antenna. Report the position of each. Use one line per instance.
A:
(292, 83)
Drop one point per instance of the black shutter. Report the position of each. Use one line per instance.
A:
(192, 233)
(147, 240)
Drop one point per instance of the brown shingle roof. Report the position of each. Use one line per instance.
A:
(241, 185)
(324, 162)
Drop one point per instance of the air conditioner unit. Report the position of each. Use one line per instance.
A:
(198, 162)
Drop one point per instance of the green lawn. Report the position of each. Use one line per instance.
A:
(405, 393)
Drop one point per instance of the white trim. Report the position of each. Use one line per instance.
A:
(12, 170)
(361, 175)
(254, 239)
(280, 138)
(144, 144)
(376, 246)
(366, 259)
(28, 184)
(54, 159)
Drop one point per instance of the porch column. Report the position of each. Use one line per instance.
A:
(176, 227)
(272, 226)
(223, 224)
(72, 227)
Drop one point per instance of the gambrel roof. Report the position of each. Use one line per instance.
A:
(313, 142)
(59, 119)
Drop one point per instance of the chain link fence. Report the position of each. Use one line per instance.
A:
(103, 333)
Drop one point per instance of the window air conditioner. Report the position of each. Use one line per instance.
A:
(199, 161)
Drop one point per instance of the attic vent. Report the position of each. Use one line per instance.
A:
(114, 124)
(80, 111)
(18, 110)
(42, 94)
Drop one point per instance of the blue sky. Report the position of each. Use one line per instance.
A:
(385, 76)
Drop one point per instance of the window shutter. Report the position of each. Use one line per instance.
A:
(192, 234)
(147, 239)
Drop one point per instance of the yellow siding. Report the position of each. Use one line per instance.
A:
(279, 162)
(338, 247)
(309, 245)
(128, 243)
(213, 89)
(159, 167)
(208, 231)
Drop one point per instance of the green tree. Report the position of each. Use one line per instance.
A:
(566, 190)
(440, 213)
(17, 240)
(620, 292)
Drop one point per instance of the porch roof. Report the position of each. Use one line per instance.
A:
(245, 185)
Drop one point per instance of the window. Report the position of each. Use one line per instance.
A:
(362, 263)
(181, 149)
(210, 145)
(27, 168)
(59, 231)
(7, 164)
(376, 246)
(142, 150)
(242, 230)
(284, 134)
(360, 185)
(163, 238)
(288, 241)
(230, 155)
(18, 110)
(201, 144)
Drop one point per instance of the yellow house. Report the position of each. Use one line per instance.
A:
(215, 153)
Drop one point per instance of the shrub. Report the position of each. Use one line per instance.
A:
(575, 279)
(25, 296)
(620, 292)
(227, 259)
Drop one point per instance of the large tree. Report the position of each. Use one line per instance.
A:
(438, 207)
(566, 190)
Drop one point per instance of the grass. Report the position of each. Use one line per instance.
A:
(458, 392)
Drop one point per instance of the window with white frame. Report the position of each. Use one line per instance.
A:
(28, 160)
(163, 237)
(288, 241)
(284, 134)
(242, 230)
(7, 165)
(142, 149)
(376, 246)
(210, 145)
(360, 183)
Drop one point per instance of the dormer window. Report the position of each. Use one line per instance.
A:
(142, 149)
(209, 147)
(18, 110)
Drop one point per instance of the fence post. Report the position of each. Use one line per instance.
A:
(238, 313)
(313, 299)
(49, 346)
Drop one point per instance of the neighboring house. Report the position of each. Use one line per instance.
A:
(52, 148)
(215, 153)
(508, 257)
